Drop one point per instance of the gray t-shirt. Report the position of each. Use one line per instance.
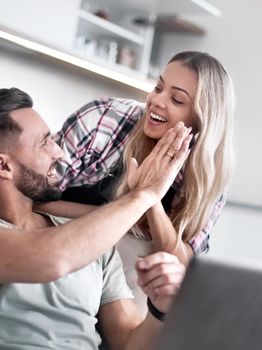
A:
(60, 315)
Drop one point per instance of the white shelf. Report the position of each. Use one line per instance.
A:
(209, 8)
(120, 76)
(93, 30)
(167, 7)
(117, 67)
(110, 27)
(56, 34)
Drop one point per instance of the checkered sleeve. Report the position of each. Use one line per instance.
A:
(76, 137)
(92, 140)
(200, 242)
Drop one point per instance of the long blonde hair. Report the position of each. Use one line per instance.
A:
(212, 158)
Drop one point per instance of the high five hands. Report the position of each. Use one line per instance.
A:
(160, 168)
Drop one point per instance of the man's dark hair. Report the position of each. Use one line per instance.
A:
(11, 100)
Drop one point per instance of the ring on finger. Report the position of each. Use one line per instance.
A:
(169, 154)
(174, 149)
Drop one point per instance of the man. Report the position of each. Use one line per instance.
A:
(54, 279)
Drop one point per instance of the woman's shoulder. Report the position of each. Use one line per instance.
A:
(104, 112)
(113, 106)
(121, 105)
(106, 102)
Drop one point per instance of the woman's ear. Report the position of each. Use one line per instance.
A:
(6, 168)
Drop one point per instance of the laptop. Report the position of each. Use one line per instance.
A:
(218, 307)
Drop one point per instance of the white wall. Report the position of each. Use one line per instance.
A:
(50, 21)
(237, 236)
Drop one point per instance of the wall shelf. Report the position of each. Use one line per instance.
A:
(114, 47)
(24, 42)
(104, 25)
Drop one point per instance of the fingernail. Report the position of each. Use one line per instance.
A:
(179, 125)
(142, 264)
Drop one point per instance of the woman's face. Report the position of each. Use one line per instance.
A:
(171, 100)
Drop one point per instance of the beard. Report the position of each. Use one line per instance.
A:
(35, 186)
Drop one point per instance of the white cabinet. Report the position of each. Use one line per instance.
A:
(51, 22)
(101, 36)
(120, 34)
(107, 35)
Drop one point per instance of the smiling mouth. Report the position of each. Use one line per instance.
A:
(52, 171)
(157, 118)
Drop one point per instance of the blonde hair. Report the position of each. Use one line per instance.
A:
(212, 158)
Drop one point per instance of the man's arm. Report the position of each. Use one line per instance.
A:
(47, 254)
(160, 277)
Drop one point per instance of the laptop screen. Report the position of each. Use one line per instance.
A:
(218, 307)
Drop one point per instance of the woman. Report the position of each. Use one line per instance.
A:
(100, 138)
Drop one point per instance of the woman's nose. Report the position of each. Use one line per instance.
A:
(160, 100)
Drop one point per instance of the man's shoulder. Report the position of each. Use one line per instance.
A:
(5, 224)
(58, 220)
(111, 253)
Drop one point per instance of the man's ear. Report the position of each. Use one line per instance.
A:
(6, 168)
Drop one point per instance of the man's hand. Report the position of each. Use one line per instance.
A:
(160, 168)
(160, 276)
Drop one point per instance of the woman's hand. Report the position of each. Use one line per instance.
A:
(167, 157)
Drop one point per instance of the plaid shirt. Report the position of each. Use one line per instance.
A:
(93, 139)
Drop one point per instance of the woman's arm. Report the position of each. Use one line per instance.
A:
(161, 229)
(164, 235)
(65, 209)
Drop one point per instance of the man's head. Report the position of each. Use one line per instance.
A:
(11, 100)
(28, 155)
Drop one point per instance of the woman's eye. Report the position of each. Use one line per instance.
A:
(175, 100)
(157, 88)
